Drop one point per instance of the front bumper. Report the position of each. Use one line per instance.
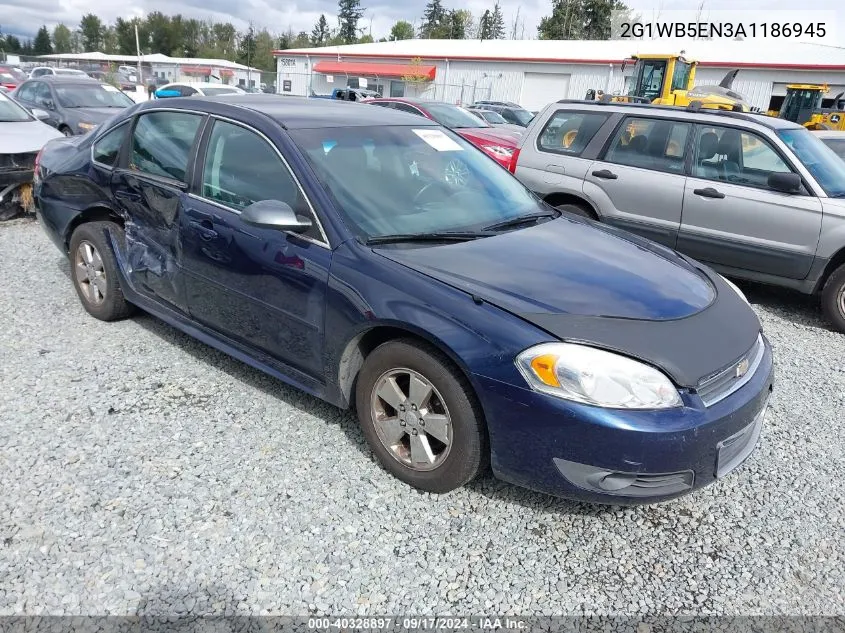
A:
(621, 457)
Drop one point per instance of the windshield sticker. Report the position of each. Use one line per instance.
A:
(438, 140)
(110, 88)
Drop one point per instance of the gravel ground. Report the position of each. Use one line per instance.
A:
(143, 472)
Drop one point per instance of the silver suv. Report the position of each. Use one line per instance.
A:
(754, 197)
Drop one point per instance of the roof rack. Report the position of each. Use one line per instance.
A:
(694, 106)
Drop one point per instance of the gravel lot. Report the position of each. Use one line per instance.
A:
(142, 472)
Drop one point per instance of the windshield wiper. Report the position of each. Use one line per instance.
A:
(446, 236)
(521, 219)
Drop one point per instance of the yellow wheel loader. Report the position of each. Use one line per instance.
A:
(669, 80)
(803, 105)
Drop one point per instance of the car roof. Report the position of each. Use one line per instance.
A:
(297, 112)
(418, 102)
(690, 112)
(79, 80)
(200, 84)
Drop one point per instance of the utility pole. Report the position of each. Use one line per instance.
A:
(138, 50)
(249, 57)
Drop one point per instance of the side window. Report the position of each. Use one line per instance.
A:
(242, 168)
(162, 141)
(731, 155)
(187, 91)
(568, 132)
(27, 92)
(655, 144)
(106, 149)
(42, 93)
(383, 104)
(404, 107)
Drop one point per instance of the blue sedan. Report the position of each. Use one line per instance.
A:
(378, 261)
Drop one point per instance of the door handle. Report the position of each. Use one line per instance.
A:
(708, 192)
(205, 229)
(127, 195)
(606, 174)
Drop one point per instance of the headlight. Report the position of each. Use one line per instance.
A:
(593, 376)
(736, 289)
(498, 150)
(87, 126)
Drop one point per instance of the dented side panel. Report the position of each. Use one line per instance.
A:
(153, 251)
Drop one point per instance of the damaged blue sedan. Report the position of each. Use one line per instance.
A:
(378, 261)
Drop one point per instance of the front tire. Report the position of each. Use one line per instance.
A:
(420, 417)
(833, 298)
(94, 271)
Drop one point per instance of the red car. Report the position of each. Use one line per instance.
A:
(497, 143)
(10, 77)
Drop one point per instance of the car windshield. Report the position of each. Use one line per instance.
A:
(408, 180)
(221, 90)
(11, 112)
(821, 161)
(491, 117)
(523, 116)
(453, 116)
(95, 95)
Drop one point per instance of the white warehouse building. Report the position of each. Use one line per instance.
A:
(534, 73)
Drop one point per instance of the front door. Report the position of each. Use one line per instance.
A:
(261, 287)
(151, 191)
(638, 184)
(733, 219)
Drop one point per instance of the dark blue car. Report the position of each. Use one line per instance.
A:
(377, 260)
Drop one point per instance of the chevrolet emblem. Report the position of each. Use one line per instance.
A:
(742, 368)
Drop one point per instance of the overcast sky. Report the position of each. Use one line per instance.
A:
(23, 17)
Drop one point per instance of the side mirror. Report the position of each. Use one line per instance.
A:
(274, 214)
(785, 182)
(40, 114)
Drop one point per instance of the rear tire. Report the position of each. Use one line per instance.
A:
(833, 298)
(578, 209)
(93, 270)
(66, 130)
(453, 446)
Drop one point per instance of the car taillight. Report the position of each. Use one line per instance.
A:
(513, 161)
(35, 167)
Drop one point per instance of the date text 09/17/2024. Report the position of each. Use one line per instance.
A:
(375, 623)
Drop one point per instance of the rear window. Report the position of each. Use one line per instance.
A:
(569, 132)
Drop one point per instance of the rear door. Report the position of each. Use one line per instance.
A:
(638, 184)
(731, 216)
(151, 190)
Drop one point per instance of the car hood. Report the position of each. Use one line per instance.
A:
(488, 135)
(594, 284)
(25, 137)
(96, 115)
(565, 266)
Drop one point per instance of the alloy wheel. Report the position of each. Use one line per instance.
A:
(411, 419)
(90, 273)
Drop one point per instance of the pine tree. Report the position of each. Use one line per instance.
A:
(498, 20)
(320, 34)
(434, 17)
(485, 26)
(42, 45)
(349, 12)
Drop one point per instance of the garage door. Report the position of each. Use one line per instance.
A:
(541, 89)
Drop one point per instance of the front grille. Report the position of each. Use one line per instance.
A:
(18, 161)
(719, 386)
